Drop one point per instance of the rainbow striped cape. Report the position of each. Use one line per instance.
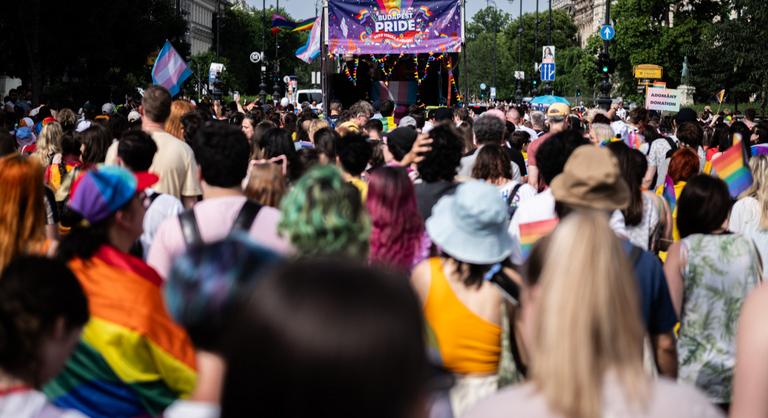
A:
(132, 359)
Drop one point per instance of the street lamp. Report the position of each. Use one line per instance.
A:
(518, 91)
(605, 65)
(548, 84)
(535, 91)
(263, 84)
(494, 21)
(276, 86)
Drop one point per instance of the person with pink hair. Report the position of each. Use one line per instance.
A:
(397, 231)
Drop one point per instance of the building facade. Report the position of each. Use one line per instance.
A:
(200, 15)
(588, 16)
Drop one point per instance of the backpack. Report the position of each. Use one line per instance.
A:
(137, 250)
(511, 205)
(672, 148)
(191, 232)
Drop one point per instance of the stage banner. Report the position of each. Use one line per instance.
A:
(360, 27)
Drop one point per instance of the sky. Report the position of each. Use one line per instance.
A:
(302, 9)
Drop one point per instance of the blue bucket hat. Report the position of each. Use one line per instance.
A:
(471, 225)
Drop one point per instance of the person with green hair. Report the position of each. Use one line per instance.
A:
(323, 215)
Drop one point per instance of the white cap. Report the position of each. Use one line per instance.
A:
(284, 102)
(133, 116)
(83, 125)
(108, 109)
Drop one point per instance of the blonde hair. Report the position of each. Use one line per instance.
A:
(266, 184)
(48, 143)
(314, 126)
(759, 188)
(587, 319)
(173, 124)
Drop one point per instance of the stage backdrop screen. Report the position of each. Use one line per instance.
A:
(393, 26)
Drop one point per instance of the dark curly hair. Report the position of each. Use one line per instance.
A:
(443, 160)
(222, 152)
(354, 153)
(555, 151)
(35, 293)
(489, 130)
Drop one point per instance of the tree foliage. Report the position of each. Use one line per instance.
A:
(88, 48)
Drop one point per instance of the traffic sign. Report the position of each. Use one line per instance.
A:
(607, 32)
(483, 86)
(548, 72)
(651, 71)
(493, 92)
(255, 57)
(519, 75)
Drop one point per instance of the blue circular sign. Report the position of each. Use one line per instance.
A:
(607, 32)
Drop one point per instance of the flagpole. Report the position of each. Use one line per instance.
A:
(324, 60)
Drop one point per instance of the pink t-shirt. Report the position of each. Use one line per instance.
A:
(533, 147)
(214, 219)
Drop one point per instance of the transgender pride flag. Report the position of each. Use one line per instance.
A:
(170, 70)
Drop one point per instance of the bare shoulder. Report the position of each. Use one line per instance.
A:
(420, 279)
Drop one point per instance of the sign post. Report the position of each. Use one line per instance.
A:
(548, 72)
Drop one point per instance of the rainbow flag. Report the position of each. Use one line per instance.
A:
(634, 140)
(282, 23)
(132, 359)
(669, 193)
(730, 166)
(531, 232)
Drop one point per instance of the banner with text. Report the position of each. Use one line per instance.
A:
(662, 100)
(393, 26)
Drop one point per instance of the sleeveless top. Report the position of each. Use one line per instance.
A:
(465, 342)
(720, 272)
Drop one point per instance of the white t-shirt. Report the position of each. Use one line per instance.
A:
(29, 403)
(541, 208)
(745, 220)
(666, 399)
(164, 206)
(192, 409)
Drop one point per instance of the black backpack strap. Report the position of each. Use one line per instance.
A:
(671, 143)
(247, 215)
(153, 197)
(189, 229)
(512, 195)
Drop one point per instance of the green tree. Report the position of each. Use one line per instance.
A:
(245, 31)
(86, 49)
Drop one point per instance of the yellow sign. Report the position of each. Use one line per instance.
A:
(651, 71)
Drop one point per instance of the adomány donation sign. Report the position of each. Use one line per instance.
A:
(394, 26)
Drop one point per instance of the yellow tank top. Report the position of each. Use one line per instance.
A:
(466, 343)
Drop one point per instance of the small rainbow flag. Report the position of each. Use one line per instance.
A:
(531, 232)
(730, 166)
(634, 140)
(669, 193)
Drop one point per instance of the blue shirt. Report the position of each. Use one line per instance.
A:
(655, 301)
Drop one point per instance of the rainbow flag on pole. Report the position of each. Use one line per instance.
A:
(170, 70)
(732, 168)
(282, 23)
(531, 232)
(132, 359)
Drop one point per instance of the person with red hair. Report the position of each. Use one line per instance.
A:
(683, 165)
(397, 231)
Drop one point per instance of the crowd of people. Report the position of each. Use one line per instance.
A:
(167, 258)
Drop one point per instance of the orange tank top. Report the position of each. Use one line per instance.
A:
(466, 343)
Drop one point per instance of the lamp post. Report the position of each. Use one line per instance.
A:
(518, 91)
(548, 84)
(534, 78)
(488, 3)
(604, 101)
(276, 86)
(262, 83)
